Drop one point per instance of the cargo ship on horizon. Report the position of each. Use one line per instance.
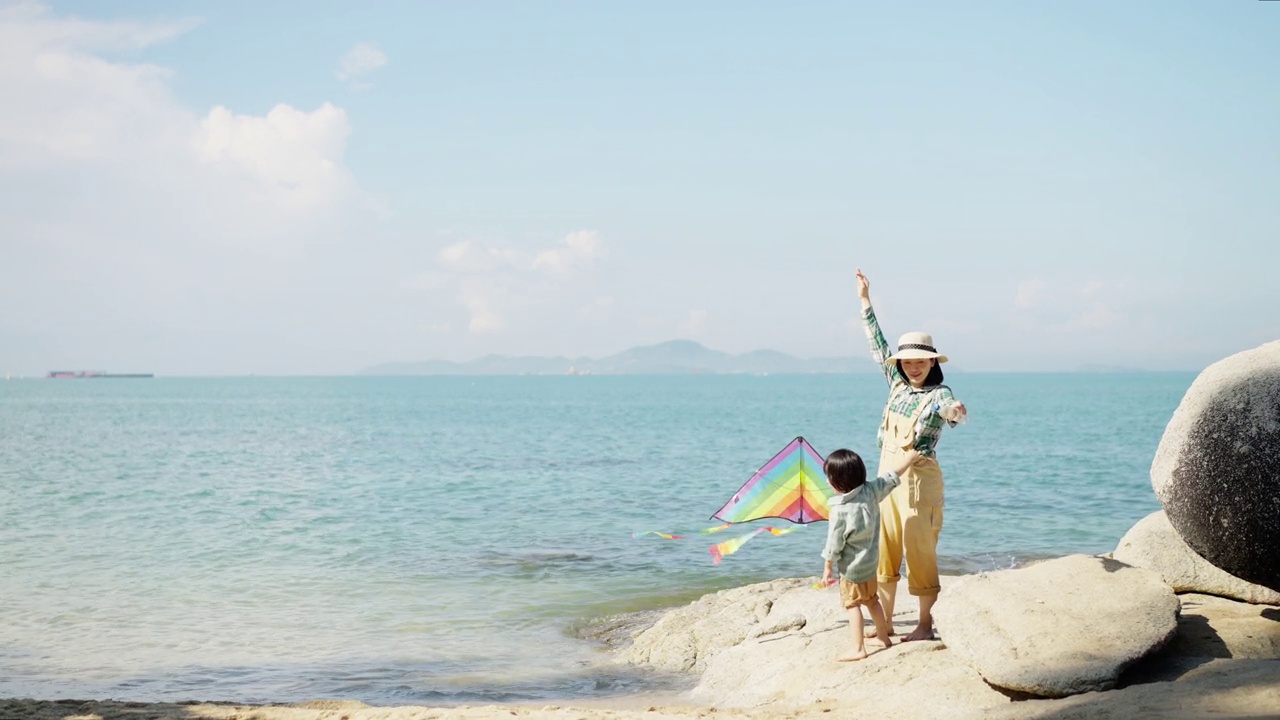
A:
(84, 374)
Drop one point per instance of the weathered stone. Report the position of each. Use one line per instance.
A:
(800, 669)
(1153, 544)
(1219, 689)
(772, 647)
(1216, 627)
(685, 637)
(778, 642)
(1217, 469)
(1059, 627)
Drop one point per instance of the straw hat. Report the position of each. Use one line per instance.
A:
(916, 346)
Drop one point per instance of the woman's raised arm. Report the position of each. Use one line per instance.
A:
(875, 338)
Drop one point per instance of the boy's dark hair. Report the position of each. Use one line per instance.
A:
(933, 378)
(845, 470)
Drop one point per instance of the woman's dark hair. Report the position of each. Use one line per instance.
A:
(933, 378)
(845, 470)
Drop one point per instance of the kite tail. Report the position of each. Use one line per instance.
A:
(728, 547)
(674, 536)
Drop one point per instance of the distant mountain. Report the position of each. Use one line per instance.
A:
(676, 357)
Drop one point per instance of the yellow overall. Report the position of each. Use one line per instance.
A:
(911, 517)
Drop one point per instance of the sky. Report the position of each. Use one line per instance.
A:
(312, 188)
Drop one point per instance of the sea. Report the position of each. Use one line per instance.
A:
(452, 539)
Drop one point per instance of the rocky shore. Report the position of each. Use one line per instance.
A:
(1081, 636)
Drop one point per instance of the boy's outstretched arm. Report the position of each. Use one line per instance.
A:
(911, 457)
(833, 547)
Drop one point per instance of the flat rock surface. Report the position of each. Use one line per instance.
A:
(1059, 627)
(777, 643)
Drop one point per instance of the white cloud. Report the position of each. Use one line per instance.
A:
(468, 257)
(1030, 293)
(481, 302)
(64, 102)
(1058, 309)
(494, 283)
(693, 325)
(575, 252)
(429, 280)
(69, 108)
(360, 60)
(598, 308)
(178, 226)
(1095, 317)
(31, 22)
(293, 155)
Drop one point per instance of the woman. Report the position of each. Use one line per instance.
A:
(911, 517)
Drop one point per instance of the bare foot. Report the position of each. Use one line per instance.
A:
(884, 641)
(920, 633)
(853, 656)
(871, 634)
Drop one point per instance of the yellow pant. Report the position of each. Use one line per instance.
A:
(910, 522)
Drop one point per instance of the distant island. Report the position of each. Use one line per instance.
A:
(675, 357)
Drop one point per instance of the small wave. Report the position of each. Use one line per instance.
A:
(535, 560)
(986, 562)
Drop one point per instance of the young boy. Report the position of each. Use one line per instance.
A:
(853, 539)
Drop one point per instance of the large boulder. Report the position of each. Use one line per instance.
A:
(1059, 627)
(1217, 469)
(1153, 544)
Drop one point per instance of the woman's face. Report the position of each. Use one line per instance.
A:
(917, 370)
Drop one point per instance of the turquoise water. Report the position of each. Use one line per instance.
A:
(445, 539)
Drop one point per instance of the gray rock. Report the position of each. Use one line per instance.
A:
(1153, 544)
(773, 646)
(1217, 469)
(777, 642)
(1216, 627)
(1217, 689)
(1059, 627)
(686, 637)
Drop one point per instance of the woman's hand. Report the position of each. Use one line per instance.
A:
(864, 287)
(826, 574)
(955, 413)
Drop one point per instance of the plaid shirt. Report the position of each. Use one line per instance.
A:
(904, 399)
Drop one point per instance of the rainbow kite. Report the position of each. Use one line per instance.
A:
(791, 486)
